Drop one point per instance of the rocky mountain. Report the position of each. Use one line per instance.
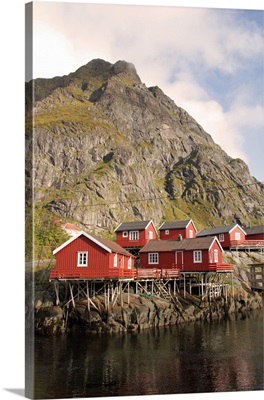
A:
(105, 148)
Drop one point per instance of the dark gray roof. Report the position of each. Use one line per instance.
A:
(130, 226)
(175, 224)
(202, 243)
(254, 230)
(216, 231)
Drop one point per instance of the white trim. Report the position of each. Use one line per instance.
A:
(161, 225)
(80, 265)
(167, 231)
(118, 227)
(196, 252)
(216, 256)
(215, 238)
(135, 233)
(115, 260)
(192, 223)
(94, 240)
(151, 222)
(152, 253)
(237, 226)
(222, 238)
(124, 234)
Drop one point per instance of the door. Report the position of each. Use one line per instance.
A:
(179, 259)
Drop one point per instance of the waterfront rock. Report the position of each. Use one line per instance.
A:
(136, 312)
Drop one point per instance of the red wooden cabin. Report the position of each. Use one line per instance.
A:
(230, 235)
(188, 255)
(89, 257)
(135, 234)
(255, 233)
(184, 229)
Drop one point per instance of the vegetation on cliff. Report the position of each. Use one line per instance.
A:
(108, 149)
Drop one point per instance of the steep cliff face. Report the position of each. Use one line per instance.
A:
(107, 148)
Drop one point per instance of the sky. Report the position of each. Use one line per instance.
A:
(210, 61)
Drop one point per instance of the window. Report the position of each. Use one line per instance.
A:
(133, 235)
(197, 256)
(125, 234)
(115, 260)
(221, 237)
(167, 232)
(129, 263)
(150, 235)
(191, 233)
(82, 259)
(153, 258)
(215, 255)
(237, 236)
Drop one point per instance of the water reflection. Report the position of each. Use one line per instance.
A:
(199, 357)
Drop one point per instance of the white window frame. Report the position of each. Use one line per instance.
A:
(82, 259)
(191, 234)
(125, 234)
(150, 235)
(153, 258)
(115, 260)
(133, 235)
(129, 263)
(197, 256)
(215, 256)
(237, 236)
(221, 237)
(167, 231)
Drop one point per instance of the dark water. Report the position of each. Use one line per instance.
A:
(195, 358)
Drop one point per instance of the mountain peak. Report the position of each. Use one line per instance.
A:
(107, 149)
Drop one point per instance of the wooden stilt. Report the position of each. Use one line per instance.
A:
(56, 287)
(88, 302)
(72, 297)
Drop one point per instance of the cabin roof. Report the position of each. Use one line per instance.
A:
(176, 224)
(134, 225)
(69, 225)
(203, 243)
(254, 230)
(106, 244)
(218, 230)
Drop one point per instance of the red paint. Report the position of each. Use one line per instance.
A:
(143, 237)
(100, 261)
(230, 238)
(184, 260)
(173, 233)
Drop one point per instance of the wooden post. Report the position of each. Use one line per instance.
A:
(121, 297)
(128, 290)
(57, 293)
(184, 286)
(88, 302)
(72, 298)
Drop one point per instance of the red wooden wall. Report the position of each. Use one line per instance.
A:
(100, 261)
(143, 238)
(174, 233)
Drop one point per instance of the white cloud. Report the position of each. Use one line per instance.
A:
(174, 48)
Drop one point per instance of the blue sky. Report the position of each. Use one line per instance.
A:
(210, 61)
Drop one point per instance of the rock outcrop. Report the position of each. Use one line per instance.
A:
(137, 312)
(107, 149)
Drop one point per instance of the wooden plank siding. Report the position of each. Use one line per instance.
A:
(100, 261)
(143, 238)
